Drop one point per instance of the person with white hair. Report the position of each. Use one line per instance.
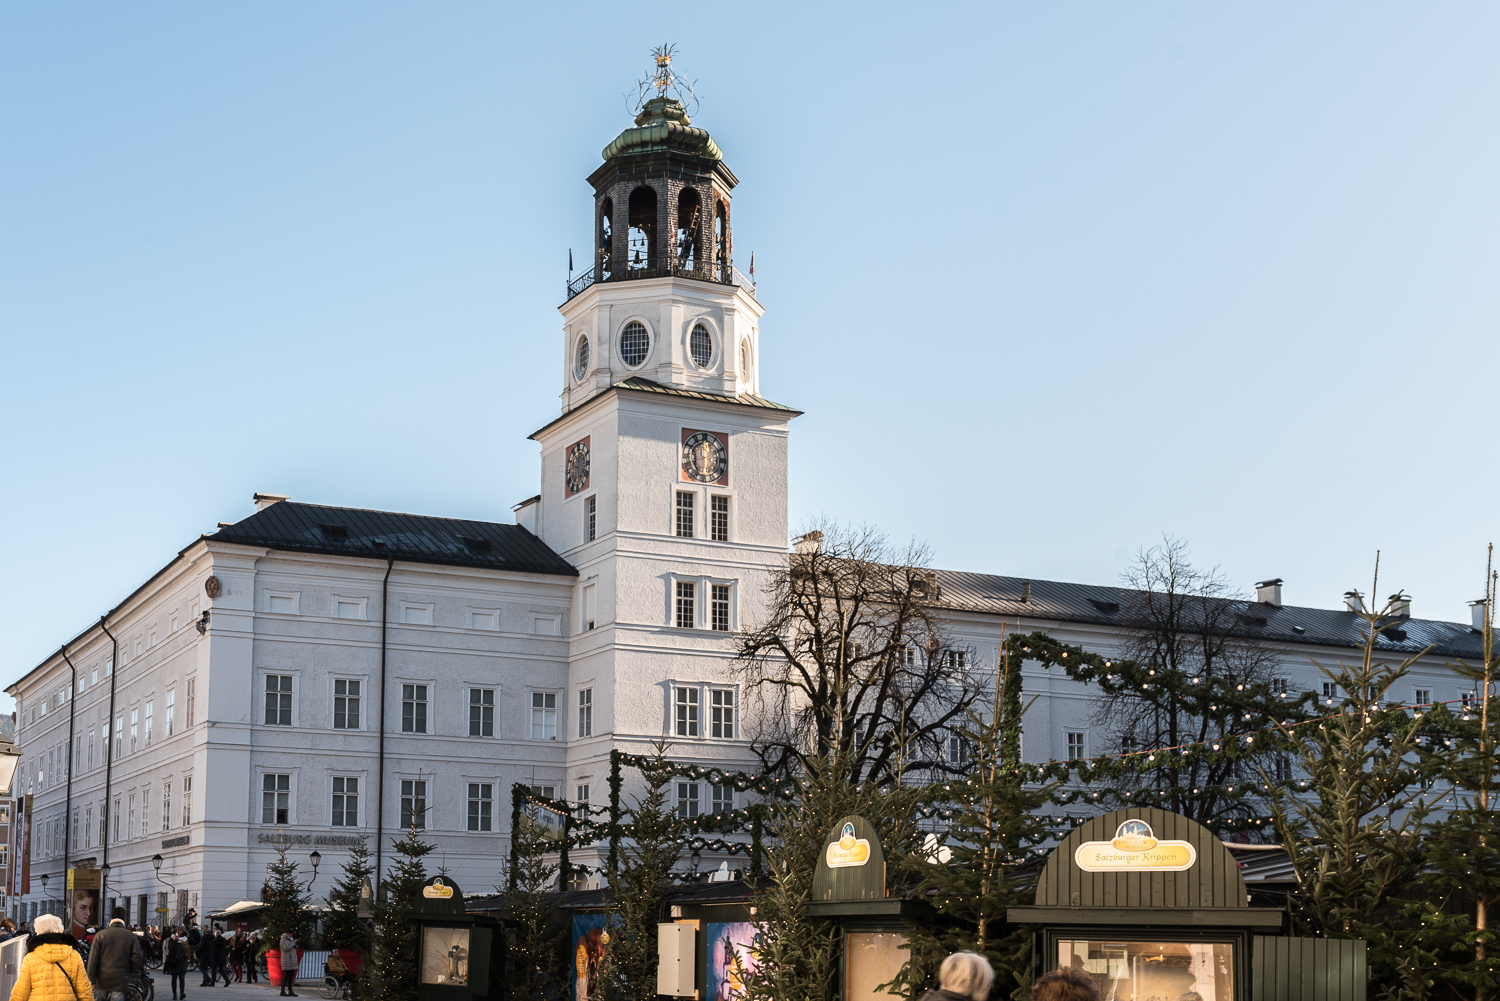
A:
(964, 976)
(53, 969)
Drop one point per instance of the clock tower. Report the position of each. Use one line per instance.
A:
(664, 480)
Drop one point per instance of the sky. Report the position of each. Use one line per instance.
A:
(1049, 280)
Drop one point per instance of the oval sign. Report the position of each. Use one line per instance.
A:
(1135, 849)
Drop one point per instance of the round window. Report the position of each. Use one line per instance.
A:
(702, 346)
(581, 365)
(634, 342)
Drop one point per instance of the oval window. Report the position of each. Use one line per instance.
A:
(634, 342)
(581, 366)
(702, 346)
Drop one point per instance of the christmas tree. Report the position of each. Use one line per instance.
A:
(640, 874)
(536, 947)
(397, 942)
(286, 896)
(343, 928)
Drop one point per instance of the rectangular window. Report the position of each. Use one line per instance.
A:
(171, 711)
(166, 806)
(1279, 687)
(1466, 700)
(77, 754)
(346, 698)
(481, 805)
(957, 749)
(275, 799)
(135, 728)
(721, 710)
(481, 712)
(543, 715)
(414, 804)
(75, 830)
(130, 816)
(187, 800)
(590, 606)
(718, 520)
(546, 792)
(1283, 766)
(146, 813)
(278, 700)
(723, 798)
(345, 801)
(1421, 696)
(413, 708)
(582, 799)
(684, 515)
(1076, 747)
(687, 592)
(91, 745)
(590, 518)
(119, 737)
(586, 712)
(348, 608)
(88, 827)
(687, 800)
(150, 713)
(192, 687)
(1330, 692)
(719, 608)
(686, 700)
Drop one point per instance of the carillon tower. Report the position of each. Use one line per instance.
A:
(664, 481)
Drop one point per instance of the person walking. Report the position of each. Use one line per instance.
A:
(252, 958)
(52, 969)
(175, 962)
(221, 957)
(237, 946)
(964, 976)
(1065, 984)
(206, 958)
(288, 963)
(114, 957)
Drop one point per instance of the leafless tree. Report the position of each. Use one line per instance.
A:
(1189, 626)
(852, 666)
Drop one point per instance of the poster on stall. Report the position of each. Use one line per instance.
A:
(730, 958)
(590, 956)
(82, 900)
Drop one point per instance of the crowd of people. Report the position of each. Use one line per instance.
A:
(100, 963)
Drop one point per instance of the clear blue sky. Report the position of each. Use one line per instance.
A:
(1049, 279)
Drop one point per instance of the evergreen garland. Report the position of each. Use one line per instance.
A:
(639, 882)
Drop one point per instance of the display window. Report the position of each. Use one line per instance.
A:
(1153, 970)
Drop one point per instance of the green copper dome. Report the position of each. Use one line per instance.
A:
(663, 126)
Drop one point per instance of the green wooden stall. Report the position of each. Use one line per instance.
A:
(1152, 904)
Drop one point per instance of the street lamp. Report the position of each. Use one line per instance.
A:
(156, 862)
(45, 878)
(103, 882)
(315, 858)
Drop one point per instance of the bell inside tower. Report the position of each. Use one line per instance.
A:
(606, 237)
(689, 222)
(640, 247)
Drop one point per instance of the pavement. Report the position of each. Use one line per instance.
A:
(262, 989)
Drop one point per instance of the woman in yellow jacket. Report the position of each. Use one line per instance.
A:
(52, 970)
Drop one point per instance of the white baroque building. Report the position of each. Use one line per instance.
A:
(321, 673)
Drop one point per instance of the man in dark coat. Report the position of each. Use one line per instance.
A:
(206, 958)
(114, 956)
(221, 957)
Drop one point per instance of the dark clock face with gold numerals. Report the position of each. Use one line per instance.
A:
(704, 458)
(576, 469)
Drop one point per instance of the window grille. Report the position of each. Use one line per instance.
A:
(687, 800)
(687, 616)
(345, 801)
(721, 708)
(481, 712)
(634, 343)
(687, 711)
(684, 515)
(346, 699)
(413, 709)
(719, 608)
(701, 345)
(481, 804)
(586, 714)
(718, 522)
(1075, 746)
(278, 700)
(543, 715)
(275, 799)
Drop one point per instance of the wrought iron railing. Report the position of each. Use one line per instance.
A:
(723, 274)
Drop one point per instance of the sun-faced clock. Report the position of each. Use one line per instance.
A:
(576, 467)
(704, 457)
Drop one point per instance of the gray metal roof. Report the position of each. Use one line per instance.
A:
(1285, 624)
(408, 538)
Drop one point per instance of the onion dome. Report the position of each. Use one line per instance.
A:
(663, 127)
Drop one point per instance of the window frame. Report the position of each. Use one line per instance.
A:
(479, 807)
(290, 693)
(684, 603)
(532, 708)
(585, 712)
(337, 811)
(685, 514)
(277, 791)
(591, 517)
(481, 705)
(686, 715)
(716, 712)
(427, 608)
(426, 702)
(1081, 744)
(363, 604)
(295, 597)
(716, 500)
(334, 698)
(409, 793)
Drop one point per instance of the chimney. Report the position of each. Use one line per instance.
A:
(1400, 605)
(1477, 613)
(526, 513)
(1268, 592)
(263, 501)
(812, 542)
(1354, 602)
(1025, 590)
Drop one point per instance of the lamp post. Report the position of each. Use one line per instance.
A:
(314, 858)
(156, 863)
(45, 878)
(103, 884)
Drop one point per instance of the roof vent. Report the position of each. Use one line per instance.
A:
(263, 501)
(1253, 620)
(1107, 607)
(1399, 605)
(334, 533)
(1268, 592)
(1477, 612)
(1354, 602)
(481, 546)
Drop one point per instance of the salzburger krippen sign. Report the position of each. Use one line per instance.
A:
(1135, 848)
